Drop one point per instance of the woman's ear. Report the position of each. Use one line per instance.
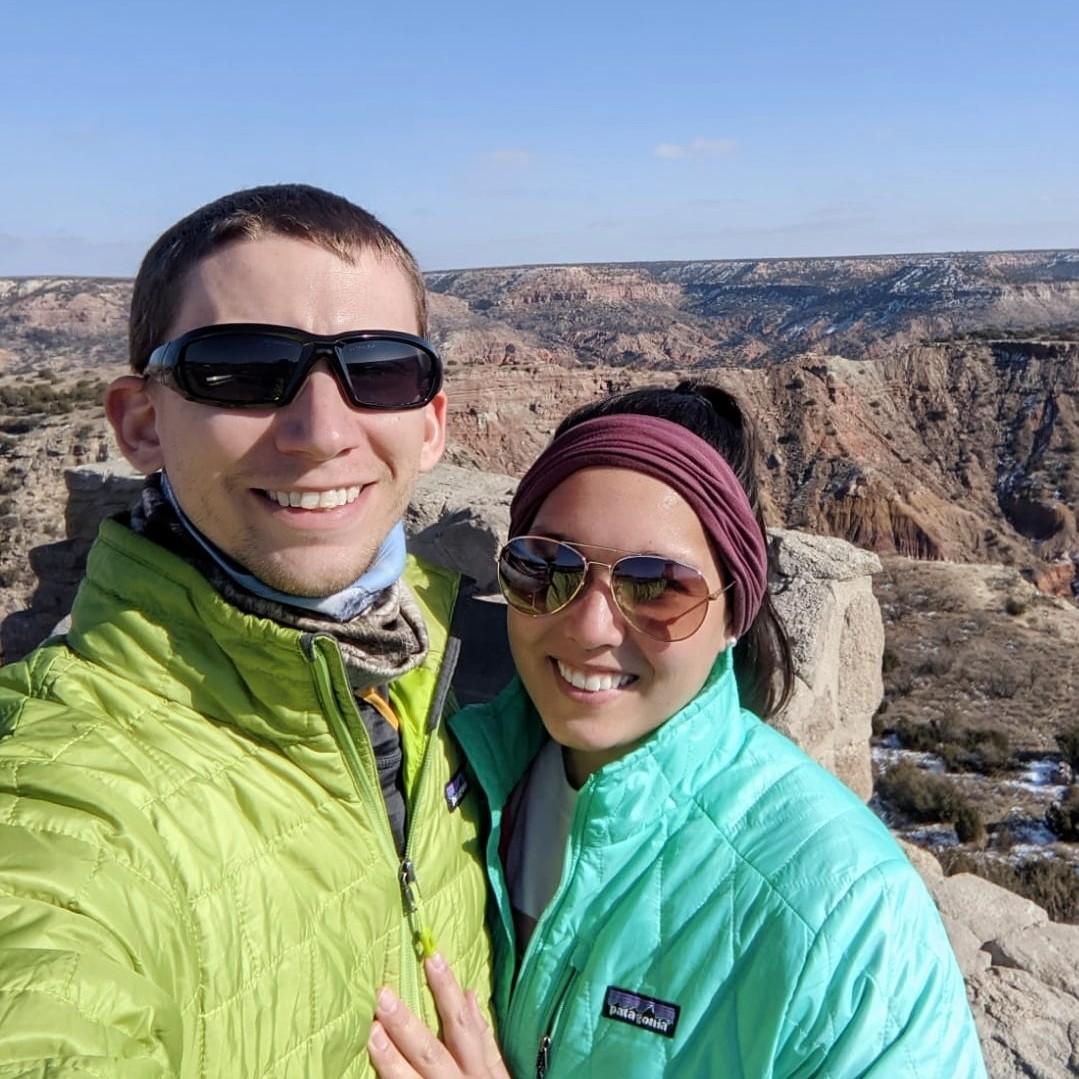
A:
(131, 412)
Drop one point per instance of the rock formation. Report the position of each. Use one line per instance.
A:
(1021, 972)
(901, 407)
(459, 518)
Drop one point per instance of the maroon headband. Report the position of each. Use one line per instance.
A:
(668, 452)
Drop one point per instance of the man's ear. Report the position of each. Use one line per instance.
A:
(434, 432)
(130, 410)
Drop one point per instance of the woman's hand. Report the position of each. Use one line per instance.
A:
(401, 1047)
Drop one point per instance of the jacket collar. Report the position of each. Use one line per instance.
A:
(149, 617)
(502, 738)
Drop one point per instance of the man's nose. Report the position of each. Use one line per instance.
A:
(319, 421)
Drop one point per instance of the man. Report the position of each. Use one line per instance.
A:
(228, 810)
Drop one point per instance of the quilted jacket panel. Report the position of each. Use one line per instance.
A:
(727, 908)
(197, 876)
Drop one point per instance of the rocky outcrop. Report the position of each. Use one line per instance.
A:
(459, 518)
(1021, 973)
(823, 592)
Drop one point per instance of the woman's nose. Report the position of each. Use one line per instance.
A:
(593, 618)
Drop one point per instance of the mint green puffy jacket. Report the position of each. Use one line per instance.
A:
(197, 874)
(727, 908)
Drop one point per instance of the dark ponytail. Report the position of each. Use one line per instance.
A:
(762, 658)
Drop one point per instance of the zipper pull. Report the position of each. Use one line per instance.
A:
(543, 1057)
(407, 877)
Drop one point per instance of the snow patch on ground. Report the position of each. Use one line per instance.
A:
(1038, 778)
(886, 755)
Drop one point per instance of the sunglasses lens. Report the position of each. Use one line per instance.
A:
(539, 576)
(384, 373)
(661, 598)
(238, 369)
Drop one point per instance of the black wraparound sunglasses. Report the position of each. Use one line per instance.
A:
(250, 365)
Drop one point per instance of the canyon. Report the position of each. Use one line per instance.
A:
(921, 405)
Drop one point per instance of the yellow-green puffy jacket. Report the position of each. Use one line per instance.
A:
(197, 873)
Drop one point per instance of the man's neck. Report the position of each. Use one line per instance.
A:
(352, 600)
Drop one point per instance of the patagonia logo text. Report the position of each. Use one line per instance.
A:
(456, 790)
(648, 1013)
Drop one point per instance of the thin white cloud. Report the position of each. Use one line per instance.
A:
(698, 147)
(509, 157)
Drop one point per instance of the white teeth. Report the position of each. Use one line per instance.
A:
(315, 500)
(592, 683)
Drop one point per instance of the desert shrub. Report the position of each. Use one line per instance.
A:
(979, 749)
(921, 737)
(1063, 817)
(939, 663)
(921, 795)
(1015, 606)
(1068, 741)
(888, 661)
(987, 751)
(879, 724)
(1002, 683)
(969, 826)
(1050, 882)
(1005, 837)
(901, 683)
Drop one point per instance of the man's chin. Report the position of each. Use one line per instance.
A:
(311, 582)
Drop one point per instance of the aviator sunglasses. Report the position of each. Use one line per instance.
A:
(249, 365)
(664, 599)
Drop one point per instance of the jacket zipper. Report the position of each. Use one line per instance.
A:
(543, 1055)
(545, 920)
(367, 786)
(423, 938)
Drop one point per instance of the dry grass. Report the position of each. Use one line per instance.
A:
(979, 643)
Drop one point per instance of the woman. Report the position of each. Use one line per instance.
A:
(677, 889)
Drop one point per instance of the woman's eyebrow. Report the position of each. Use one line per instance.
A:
(682, 556)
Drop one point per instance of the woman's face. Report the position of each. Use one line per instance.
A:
(643, 682)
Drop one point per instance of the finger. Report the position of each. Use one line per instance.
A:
(386, 1060)
(461, 1032)
(492, 1056)
(424, 1052)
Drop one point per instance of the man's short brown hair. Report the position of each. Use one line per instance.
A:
(298, 210)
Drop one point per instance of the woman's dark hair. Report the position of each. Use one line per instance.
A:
(762, 658)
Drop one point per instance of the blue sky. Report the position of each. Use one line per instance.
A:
(493, 134)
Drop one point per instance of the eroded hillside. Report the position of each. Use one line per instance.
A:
(901, 402)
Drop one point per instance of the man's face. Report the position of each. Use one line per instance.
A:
(222, 463)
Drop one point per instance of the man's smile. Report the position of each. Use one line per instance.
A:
(327, 499)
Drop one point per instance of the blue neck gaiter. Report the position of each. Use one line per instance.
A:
(385, 569)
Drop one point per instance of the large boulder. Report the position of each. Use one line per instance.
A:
(1028, 1029)
(459, 517)
(1021, 973)
(823, 592)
